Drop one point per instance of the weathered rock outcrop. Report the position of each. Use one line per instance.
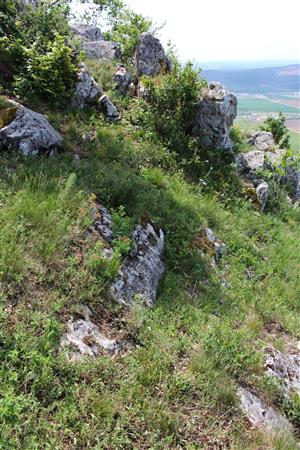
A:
(104, 50)
(261, 415)
(30, 133)
(286, 368)
(122, 79)
(83, 337)
(142, 270)
(87, 32)
(263, 140)
(109, 109)
(150, 57)
(262, 193)
(215, 114)
(87, 90)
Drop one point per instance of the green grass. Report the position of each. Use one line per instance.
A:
(259, 105)
(176, 389)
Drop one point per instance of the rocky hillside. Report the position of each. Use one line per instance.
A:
(149, 249)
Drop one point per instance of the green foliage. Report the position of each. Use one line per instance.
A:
(171, 108)
(38, 51)
(126, 28)
(279, 130)
(292, 408)
(50, 76)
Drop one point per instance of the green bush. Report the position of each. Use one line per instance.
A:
(279, 130)
(171, 108)
(50, 76)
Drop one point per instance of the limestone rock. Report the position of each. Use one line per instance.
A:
(261, 415)
(150, 57)
(142, 270)
(248, 163)
(87, 90)
(30, 133)
(104, 50)
(215, 114)
(286, 368)
(109, 109)
(262, 192)
(87, 32)
(83, 337)
(263, 140)
(122, 78)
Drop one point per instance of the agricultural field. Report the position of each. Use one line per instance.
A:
(247, 104)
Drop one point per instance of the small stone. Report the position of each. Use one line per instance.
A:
(109, 109)
(262, 192)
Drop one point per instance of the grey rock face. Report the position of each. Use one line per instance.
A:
(109, 109)
(286, 368)
(87, 90)
(30, 133)
(104, 50)
(262, 192)
(150, 57)
(261, 415)
(87, 32)
(215, 115)
(83, 338)
(263, 140)
(122, 78)
(142, 270)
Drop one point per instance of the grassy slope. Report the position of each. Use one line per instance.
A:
(176, 389)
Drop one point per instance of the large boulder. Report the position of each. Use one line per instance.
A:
(142, 270)
(30, 133)
(263, 140)
(262, 416)
(105, 50)
(215, 114)
(150, 57)
(249, 162)
(87, 91)
(87, 32)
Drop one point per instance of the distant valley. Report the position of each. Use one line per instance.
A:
(283, 79)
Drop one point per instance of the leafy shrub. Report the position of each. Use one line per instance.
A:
(278, 128)
(171, 109)
(126, 28)
(50, 75)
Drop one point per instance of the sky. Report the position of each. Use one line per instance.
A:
(227, 30)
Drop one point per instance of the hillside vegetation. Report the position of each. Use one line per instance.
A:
(174, 385)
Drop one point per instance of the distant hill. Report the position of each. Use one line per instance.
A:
(266, 80)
